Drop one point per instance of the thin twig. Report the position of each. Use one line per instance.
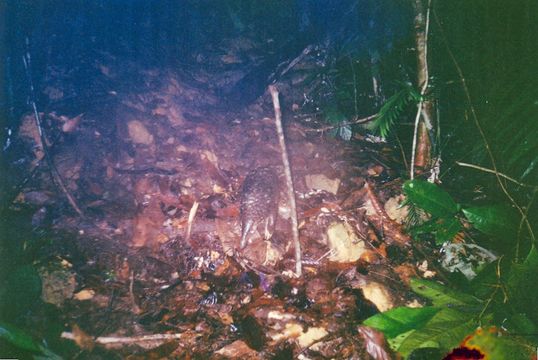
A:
(294, 62)
(192, 214)
(136, 309)
(403, 152)
(342, 124)
(472, 166)
(527, 209)
(289, 180)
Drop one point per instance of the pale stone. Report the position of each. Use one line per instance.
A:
(344, 244)
(138, 133)
(321, 182)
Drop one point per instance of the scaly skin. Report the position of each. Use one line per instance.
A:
(259, 204)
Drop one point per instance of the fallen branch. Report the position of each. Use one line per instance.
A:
(114, 340)
(289, 180)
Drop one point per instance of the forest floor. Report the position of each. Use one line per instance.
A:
(150, 266)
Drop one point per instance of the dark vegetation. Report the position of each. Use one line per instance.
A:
(128, 128)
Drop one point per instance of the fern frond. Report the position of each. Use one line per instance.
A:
(415, 215)
(393, 108)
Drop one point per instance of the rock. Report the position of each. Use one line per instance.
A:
(344, 243)
(138, 133)
(395, 210)
(58, 285)
(321, 182)
(311, 336)
(379, 295)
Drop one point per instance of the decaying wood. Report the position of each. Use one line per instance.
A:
(382, 222)
(424, 148)
(114, 341)
(289, 180)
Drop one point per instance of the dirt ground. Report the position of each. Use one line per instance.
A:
(138, 247)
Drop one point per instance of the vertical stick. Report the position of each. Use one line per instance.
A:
(289, 181)
(425, 106)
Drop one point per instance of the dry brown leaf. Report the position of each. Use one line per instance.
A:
(85, 294)
(375, 343)
(83, 340)
(406, 272)
(238, 350)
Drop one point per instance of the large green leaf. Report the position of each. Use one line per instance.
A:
(495, 220)
(18, 338)
(445, 330)
(447, 229)
(400, 320)
(521, 286)
(519, 324)
(430, 197)
(22, 340)
(20, 290)
(441, 295)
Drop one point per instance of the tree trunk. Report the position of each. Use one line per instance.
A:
(426, 125)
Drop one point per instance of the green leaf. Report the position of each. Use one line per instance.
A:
(428, 227)
(485, 284)
(18, 338)
(531, 261)
(20, 290)
(446, 329)
(521, 286)
(393, 109)
(494, 220)
(430, 197)
(441, 295)
(400, 320)
(520, 324)
(447, 229)
(425, 353)
(494, 344)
